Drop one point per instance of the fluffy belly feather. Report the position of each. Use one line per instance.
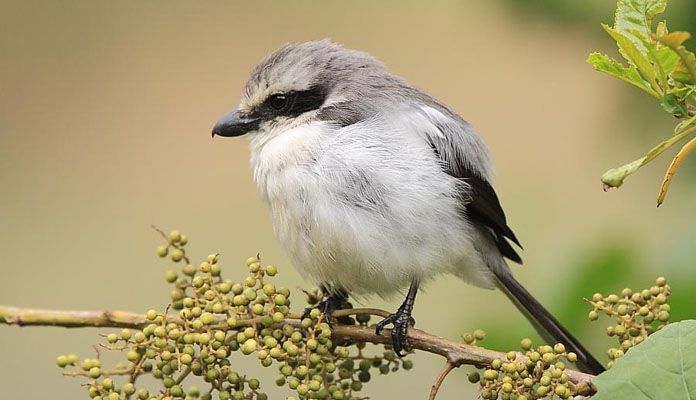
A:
(362, 220)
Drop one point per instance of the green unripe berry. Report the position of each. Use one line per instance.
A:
(239, 300)
(162, 250)
(468, 338)
(170, 276)
(407, 364)
(559, 348)
(186, 359)
(548, 357)
(94, 372)
(293, 383)
(661, 299)
(271, 270)
(301, 371)
(490, 374)
(189, 270)
(225, 287)
(177, 255)
(151, 315)
(237, 288)
(160, 332)
(125, 334)
(661, 281)
(207, 318)
(62, 361)
(128, 389)
(204, 267)
(622, 309)
(257, 309)
(176, 391)
(250, 281)
(280, 299)
(663, 316)
(132, 356)
(174, 236)
(249, 346)
(254, 267)
(526, 344)
(363, 318)
(572, 357)
(278, 317)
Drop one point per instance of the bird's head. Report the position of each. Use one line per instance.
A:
(302, 82)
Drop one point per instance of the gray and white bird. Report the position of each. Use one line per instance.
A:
(374, 186)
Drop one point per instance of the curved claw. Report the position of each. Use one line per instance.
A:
(400, 320)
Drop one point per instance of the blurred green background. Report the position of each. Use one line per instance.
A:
(105, 129)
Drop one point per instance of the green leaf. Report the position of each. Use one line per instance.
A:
(674, 106)
(685, 70)
(634, 18)
(636, 57)
(662, 367)
(665, 61)
(606, 64)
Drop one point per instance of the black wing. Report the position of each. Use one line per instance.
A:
(483, 205)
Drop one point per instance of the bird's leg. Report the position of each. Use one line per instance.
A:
(337, 299)
(400, 321)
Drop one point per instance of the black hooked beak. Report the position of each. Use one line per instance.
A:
(235, 124)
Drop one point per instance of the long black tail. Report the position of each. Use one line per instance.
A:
(546, 324)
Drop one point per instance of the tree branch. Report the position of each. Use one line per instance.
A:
(455, 353)
(440, 378)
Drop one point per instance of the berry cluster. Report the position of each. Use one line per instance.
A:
(537, 373)
(218, 317)
(637, 314)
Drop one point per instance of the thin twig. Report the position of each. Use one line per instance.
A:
(440, 378)
(454, 352)
(676, 162)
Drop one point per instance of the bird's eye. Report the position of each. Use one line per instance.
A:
(279, 101)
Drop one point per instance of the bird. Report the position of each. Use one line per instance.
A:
(374, 186)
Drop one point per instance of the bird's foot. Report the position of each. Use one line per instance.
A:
(400, 321)
(327, 306)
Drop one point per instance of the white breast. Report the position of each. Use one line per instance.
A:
(367, 206)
